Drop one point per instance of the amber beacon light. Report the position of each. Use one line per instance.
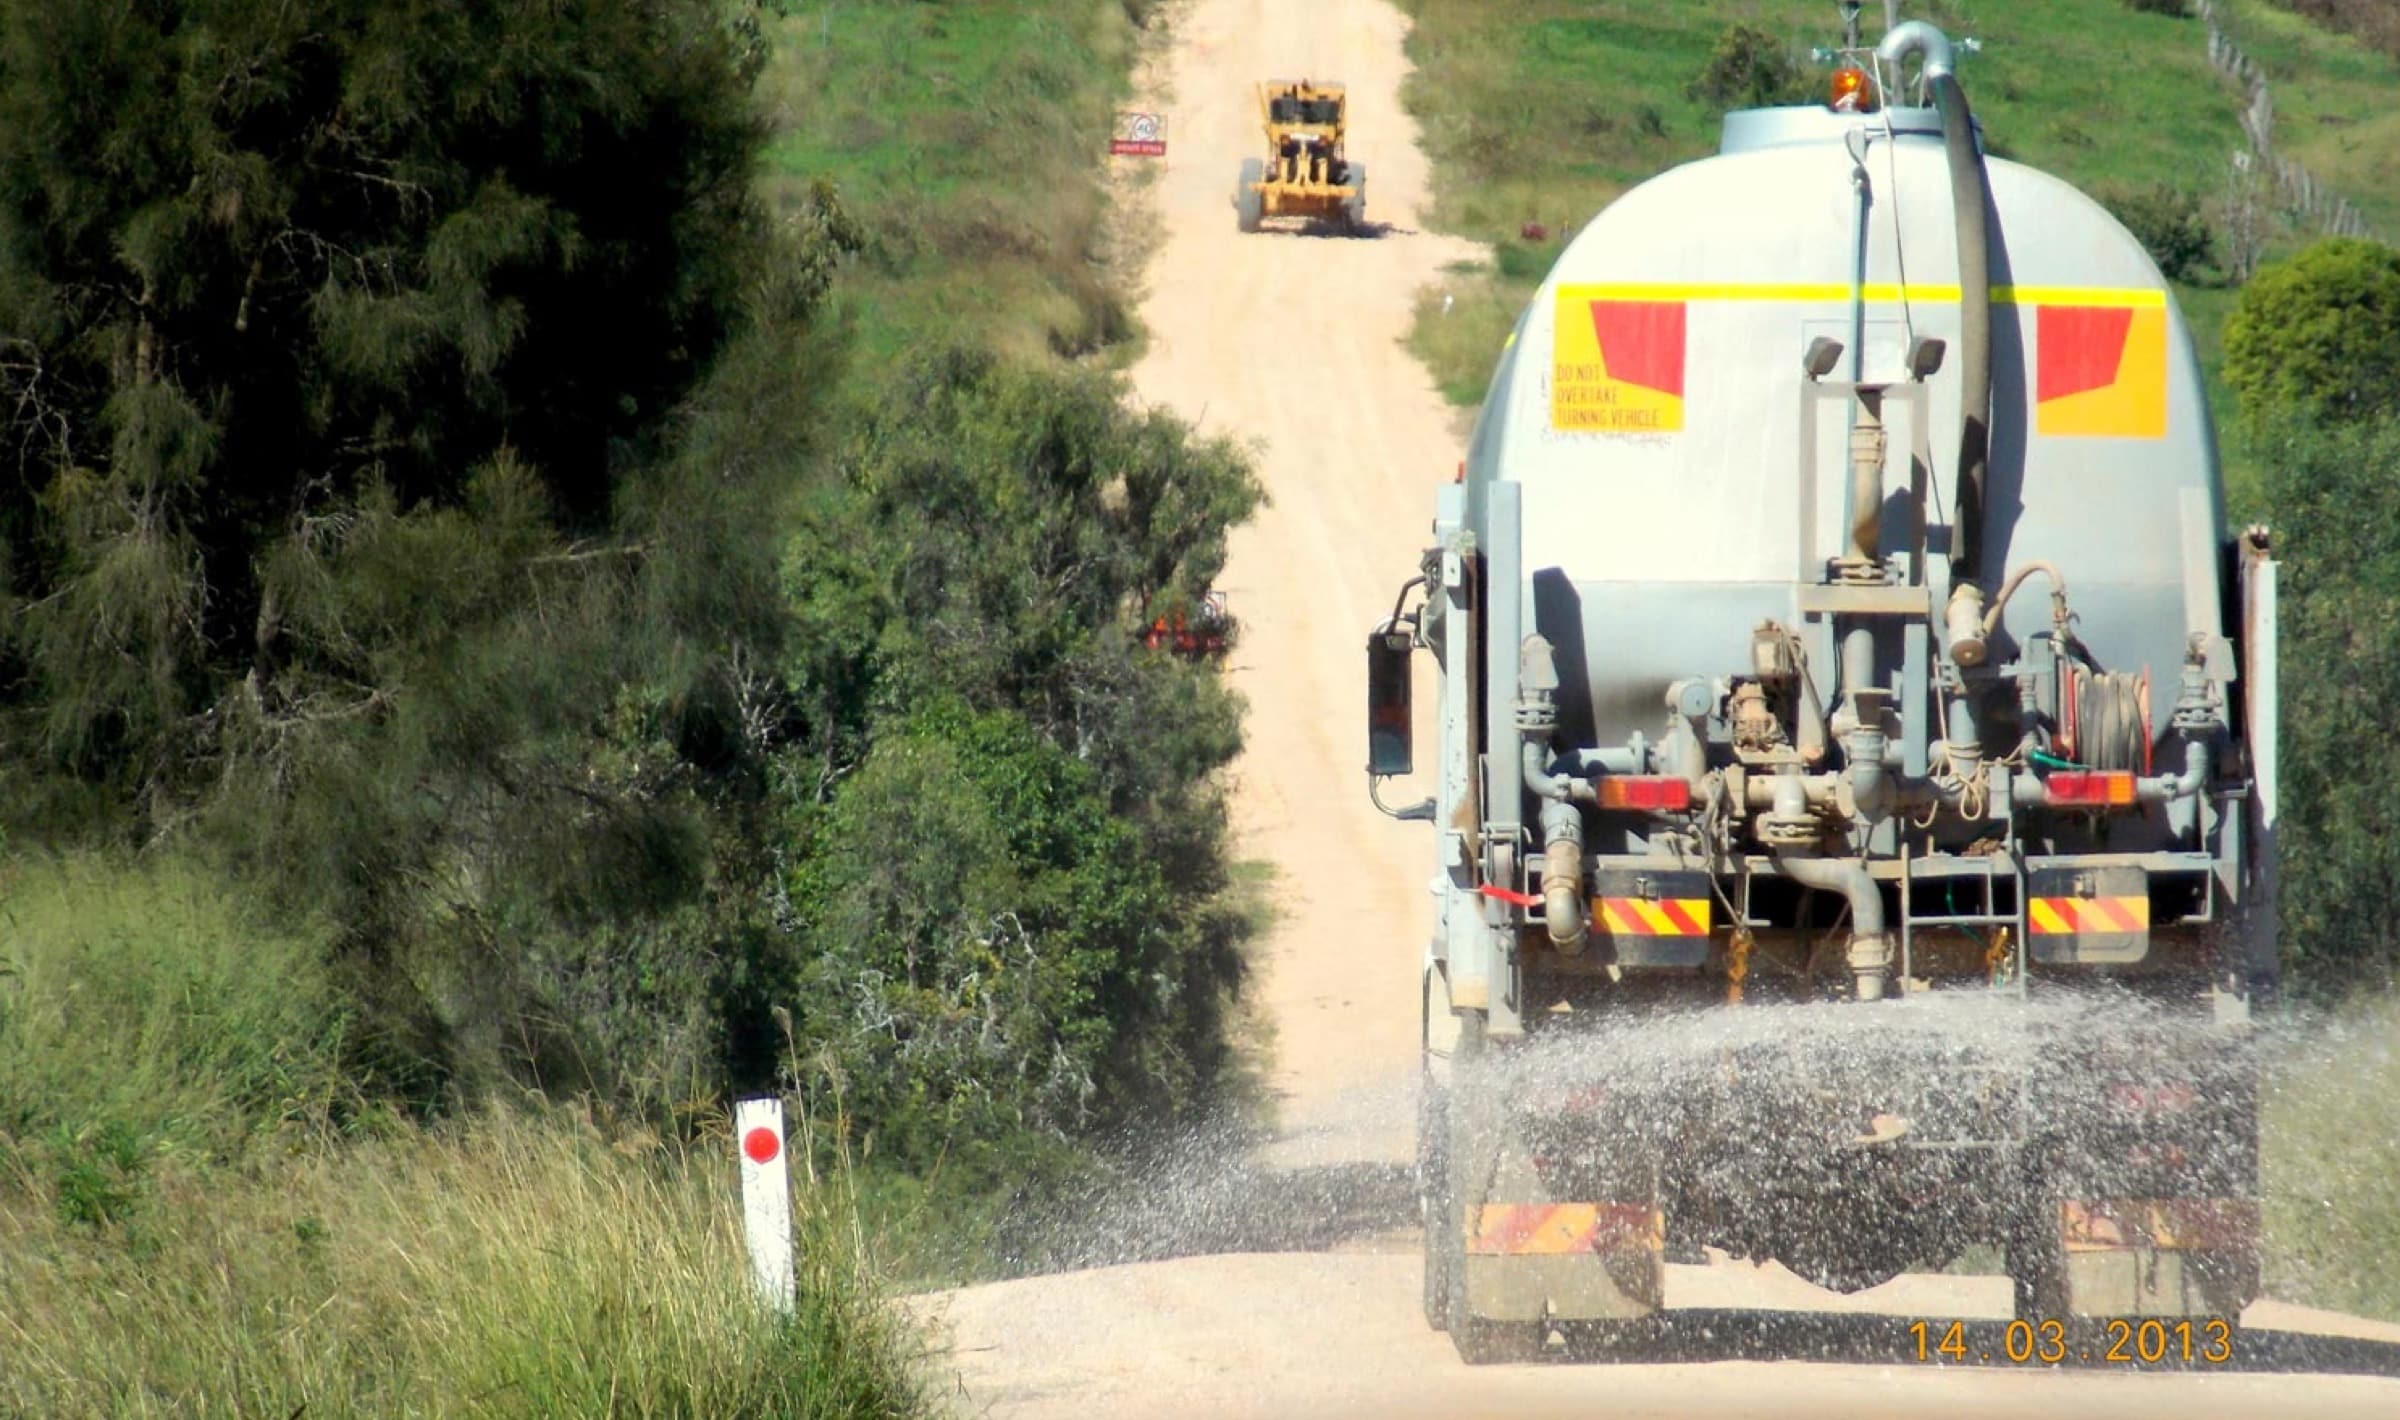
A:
(1850, 91)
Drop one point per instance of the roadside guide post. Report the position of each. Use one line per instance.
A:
(766, 1198)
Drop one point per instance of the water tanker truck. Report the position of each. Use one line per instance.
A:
(1853, 817)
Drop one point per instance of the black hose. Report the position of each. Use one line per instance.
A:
(1970, 196)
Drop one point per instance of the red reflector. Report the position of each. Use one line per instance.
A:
(2090, 789)
(1659, 793)
(2153, 1099)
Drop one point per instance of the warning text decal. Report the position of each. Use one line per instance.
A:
(1618, 365)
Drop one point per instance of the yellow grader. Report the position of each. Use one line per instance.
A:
(1305, 173)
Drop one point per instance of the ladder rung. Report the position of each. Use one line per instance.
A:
(2005, 919)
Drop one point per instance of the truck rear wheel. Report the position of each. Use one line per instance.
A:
(1471, 1139)
(1443, 1245)
(1354, 207)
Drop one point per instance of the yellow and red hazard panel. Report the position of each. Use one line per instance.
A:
(1549, 1229)
(2087, 916)
(2177, 1224)
(2101, 370)
(1619, 364)
(1643, 917)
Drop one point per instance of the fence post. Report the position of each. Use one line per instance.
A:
(766, 1198)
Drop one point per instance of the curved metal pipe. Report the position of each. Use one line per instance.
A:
(1917, 37)
(1563, 912)
(2016, 579)
(1870, 945)
(2167, 788)
(1969, 198)
(1544, 782)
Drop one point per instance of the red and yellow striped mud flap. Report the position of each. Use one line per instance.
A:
(2163, 1224)
(1643, 917)
(2098, 914)
(2088, 916)
(1551, 1229)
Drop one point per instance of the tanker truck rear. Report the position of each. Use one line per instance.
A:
(1853, 814)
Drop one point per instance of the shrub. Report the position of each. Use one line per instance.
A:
(2177, 8)
(2168, 222)
(1748, 70)
(2336, 496)
(2319, 334)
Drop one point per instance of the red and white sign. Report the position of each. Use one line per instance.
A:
(766, 1198)
(1139, 135)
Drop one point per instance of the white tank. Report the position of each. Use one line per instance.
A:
(1649, 405)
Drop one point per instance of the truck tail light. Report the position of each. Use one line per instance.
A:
(2090, 789)
(1658, 793)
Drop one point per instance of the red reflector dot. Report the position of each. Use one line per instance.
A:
(761, 1145)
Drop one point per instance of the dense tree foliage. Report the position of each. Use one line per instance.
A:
(2313, 354)
(2319, 333)
(266, 265)
(431, 492)
(1027, 865)
(2336, 495)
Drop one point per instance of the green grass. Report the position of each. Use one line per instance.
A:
(2332, 1165)
(196, 1219)
(2337, 105)
(966, 139)
(1550, 116)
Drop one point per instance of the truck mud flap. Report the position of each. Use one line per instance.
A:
(1653, 918)
(2099, 916)
(1568, 1261)
(2158, 1257)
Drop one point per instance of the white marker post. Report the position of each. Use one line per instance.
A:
(766, 1198)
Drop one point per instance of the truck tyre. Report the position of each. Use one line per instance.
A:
(1471, 1138)
(2036, 1260)
(1249, 205)
(1354, 207)
(1441, 1217)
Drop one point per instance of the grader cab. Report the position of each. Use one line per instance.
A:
(1305, 173)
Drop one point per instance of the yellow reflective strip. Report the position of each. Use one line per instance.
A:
(1931, 294)
(1661, 925)
(2080, 296)
(2138, 908)
(1708, 291)
(1612, 919)
(2046, 919)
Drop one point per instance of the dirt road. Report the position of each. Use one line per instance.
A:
(1293, 342)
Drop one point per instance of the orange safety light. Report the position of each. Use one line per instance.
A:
(1851, 93)
(2090, 789)
(1658, 793)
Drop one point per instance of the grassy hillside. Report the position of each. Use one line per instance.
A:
(1547, 118)
(964, 138)
(2337, 101)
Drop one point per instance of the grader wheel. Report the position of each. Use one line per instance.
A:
(1249, 205)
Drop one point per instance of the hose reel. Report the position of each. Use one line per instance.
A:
(2104, 719)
